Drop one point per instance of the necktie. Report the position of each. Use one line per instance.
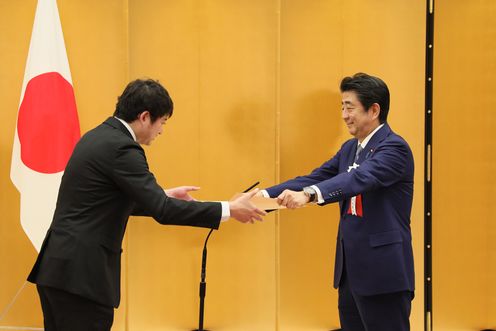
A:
(358, 151)
(355, 207)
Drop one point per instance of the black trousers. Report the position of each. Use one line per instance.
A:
(63, 311)
(384, 312)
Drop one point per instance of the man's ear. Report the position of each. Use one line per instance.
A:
(143, 116)
(375, 109)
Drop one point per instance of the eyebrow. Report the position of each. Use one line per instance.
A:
(346, 103)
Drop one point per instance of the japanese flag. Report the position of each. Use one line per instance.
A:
(47, 124)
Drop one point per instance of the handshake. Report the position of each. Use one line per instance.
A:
(251, 206)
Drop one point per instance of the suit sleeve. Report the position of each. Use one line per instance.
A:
(138, 211)
(386, 167)
(327, 170)
(131, 174)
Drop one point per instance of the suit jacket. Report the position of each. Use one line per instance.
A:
(105, 181)
(374, 229)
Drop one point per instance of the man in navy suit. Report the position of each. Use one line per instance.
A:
(371, 177)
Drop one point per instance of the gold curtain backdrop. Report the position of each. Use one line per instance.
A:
(255, 85)
(464, 164)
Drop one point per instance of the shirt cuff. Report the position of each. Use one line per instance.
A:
(226, 212)
(265, 193)
(320, 198)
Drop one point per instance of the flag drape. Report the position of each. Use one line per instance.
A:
(47, 125)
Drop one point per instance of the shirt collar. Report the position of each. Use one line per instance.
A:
(128, 127)
(367, 139)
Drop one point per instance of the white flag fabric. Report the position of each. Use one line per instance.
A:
(47, 124)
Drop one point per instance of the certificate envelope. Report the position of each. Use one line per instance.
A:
(262, 203)
(266, 203)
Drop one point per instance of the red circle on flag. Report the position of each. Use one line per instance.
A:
(48, 125)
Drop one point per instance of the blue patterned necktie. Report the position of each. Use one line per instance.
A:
(358, 151)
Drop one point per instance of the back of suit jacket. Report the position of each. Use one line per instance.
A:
(375, 196)
(105, 181)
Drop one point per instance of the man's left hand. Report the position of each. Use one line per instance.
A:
(182, 192)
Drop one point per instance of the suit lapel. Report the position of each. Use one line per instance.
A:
(351, 154)
(376, 139)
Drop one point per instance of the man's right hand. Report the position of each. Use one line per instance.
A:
(243, 210)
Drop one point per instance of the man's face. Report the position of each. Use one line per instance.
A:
(151, 129)
(359, 121)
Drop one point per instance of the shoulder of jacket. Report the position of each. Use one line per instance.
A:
(349, 143)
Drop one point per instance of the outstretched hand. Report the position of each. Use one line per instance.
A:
(292, 199)
(243, 210)
(182, 192)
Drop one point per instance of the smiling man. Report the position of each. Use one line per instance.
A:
(371, 177)
(106, 180)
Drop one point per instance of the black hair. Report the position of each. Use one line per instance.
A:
(369, 90)
(144, 95)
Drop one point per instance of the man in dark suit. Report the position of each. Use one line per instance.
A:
(106, 180)
(371, 177)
